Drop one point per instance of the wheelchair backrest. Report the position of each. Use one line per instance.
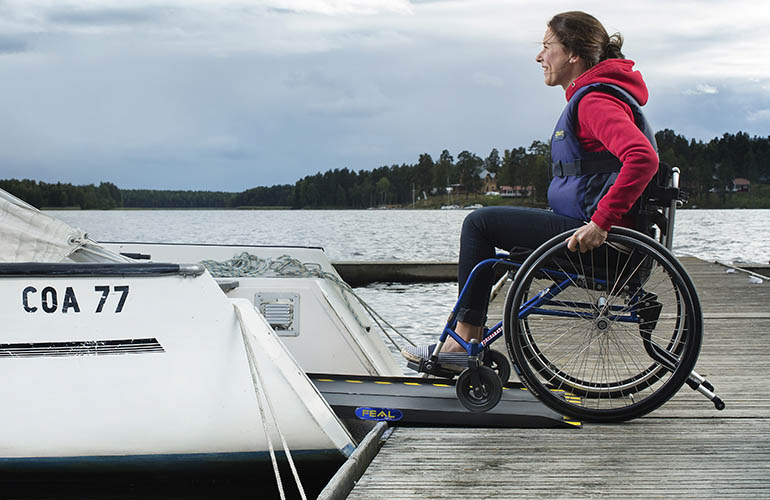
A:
(658, 203)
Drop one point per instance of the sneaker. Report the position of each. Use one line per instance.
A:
(453, 361)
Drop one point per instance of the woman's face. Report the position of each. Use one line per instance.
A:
(559, 68)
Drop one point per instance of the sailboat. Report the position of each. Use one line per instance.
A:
(116, 355)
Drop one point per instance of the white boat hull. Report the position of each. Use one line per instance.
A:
(165, 373)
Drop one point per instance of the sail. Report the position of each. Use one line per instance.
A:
(29, 235)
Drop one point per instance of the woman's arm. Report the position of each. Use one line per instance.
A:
(605, 122)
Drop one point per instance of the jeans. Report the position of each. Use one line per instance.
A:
(486, 229)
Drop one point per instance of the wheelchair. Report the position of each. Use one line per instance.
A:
(604, 336)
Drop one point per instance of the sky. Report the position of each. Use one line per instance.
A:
(232, 94)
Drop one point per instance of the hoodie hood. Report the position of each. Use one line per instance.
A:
(618, 72)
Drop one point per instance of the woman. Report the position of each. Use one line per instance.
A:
(603, 156)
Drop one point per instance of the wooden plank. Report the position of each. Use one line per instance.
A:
(685, 449)
(649, 458)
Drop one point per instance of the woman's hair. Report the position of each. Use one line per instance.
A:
(584, 36)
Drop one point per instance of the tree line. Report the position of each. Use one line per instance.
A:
(43, 195)
(706, 166)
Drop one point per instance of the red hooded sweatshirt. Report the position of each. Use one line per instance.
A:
(607, 123)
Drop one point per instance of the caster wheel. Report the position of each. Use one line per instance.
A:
(499, 363)
(483, 395)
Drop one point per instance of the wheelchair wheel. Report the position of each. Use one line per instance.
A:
(605, 336)
(481, 396)
(499, 363)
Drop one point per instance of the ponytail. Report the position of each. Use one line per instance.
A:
(612, 50)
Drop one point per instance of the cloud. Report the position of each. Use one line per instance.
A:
(486, 80)
(360, 105)
(229, 94)
(12, 45)
(224, 146)
(701, 89)
(103, 16)
(758, 115)
(339, 7)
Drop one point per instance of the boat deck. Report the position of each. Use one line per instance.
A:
(686, 449)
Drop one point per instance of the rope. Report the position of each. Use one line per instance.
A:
(285, 266)
(261, 393)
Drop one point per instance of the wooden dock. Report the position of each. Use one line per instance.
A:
(684, 450)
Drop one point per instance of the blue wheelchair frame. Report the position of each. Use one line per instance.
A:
(478, 392)
(533, 305)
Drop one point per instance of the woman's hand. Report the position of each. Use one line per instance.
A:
(587, 238)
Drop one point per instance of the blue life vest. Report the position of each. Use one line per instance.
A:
(581, 178)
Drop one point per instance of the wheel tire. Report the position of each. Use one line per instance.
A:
(577, 354)
(479, 399)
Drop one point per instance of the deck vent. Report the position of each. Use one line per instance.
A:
(281, 310)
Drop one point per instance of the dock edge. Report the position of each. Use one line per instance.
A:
(342, 483)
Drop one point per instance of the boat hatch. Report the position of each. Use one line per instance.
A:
(281, 310)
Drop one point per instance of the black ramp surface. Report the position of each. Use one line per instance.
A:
(412, 401)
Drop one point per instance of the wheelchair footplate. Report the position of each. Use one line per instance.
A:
(432, 368)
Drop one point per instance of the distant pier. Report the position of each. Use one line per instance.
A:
(364, 273)
(360, 273)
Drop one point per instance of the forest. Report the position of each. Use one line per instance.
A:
(708, 171)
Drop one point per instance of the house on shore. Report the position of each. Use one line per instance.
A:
(741, 185)
(489, 181)
(517, 191)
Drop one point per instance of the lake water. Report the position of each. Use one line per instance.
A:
(417, 310)
(405, 235)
